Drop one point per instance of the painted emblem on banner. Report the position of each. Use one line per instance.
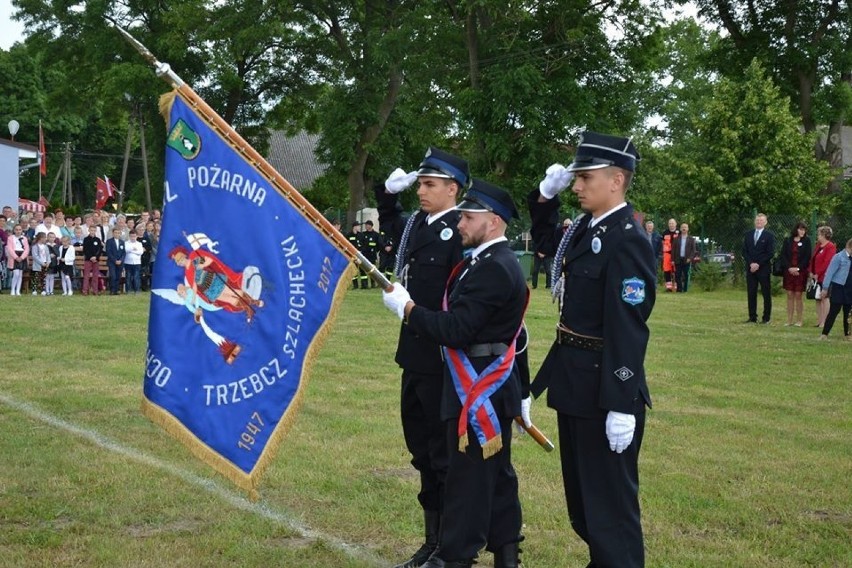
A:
(184, 140)
(210, 285)
(633, 290)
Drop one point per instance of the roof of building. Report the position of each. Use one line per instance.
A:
(24, 150)
(295, 158)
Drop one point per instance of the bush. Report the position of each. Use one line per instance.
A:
(708, 276)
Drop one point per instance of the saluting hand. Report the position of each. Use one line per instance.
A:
(399, 180)
(556, 179)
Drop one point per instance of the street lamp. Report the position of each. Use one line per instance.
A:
(14, 125)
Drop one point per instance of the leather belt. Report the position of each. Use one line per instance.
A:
(565, 336)
(486, 349)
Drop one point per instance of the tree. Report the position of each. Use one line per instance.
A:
(807, 48)
(538, 73)
(743, 151)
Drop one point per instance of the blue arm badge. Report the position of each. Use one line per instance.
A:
(633, 290)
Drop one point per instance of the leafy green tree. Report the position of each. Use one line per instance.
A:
(539, 73)
(743, 150)
(807, 48)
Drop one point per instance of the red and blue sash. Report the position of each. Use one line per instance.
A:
(475, 389)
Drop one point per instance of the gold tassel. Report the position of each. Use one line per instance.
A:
(166, 102)
(463, 444)
(491, 447)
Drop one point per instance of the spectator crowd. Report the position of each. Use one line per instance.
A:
(91, 254)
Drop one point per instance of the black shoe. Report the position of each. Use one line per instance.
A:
(507, 556)
(764, 322)
(435, 562)
(432, 527)
(750, 321)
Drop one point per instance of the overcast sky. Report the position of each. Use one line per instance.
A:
(10, 31)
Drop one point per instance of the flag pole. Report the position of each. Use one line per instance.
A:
(40, 158)
(165, 72)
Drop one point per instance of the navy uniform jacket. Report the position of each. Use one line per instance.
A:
(480, 311)
(608, 295)
(430, 255)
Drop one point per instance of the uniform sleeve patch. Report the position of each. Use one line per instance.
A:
(623, 373)
(633, 290)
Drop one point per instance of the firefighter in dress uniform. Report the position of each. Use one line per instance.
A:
(354, 237)
(371, 244)
(594, 372)
(429, 248)
(478, 327)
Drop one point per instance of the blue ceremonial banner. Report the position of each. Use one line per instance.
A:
(244, 287)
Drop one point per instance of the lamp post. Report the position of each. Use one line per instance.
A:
(14, 126)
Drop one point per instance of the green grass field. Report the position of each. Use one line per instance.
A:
(747, 458)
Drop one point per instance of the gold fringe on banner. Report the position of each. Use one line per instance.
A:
(165, 106)
(161, 417)
(249, 481)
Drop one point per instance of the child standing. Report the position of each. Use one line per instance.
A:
(41, 260)
(66, 256)
(17, 251)
(53, 266)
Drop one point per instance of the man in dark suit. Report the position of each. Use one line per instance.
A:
(595, 372)
(758, 250)
(429, 248)
(478, 326)
(115, 260)
(684, 251)
(544, 245)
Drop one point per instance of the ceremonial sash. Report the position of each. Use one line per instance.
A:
(475, 389)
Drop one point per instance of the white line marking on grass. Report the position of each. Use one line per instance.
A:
(233, 498)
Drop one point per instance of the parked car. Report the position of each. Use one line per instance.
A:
(725, 260)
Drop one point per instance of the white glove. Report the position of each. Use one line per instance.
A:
(556, 179)
(399, 180)
(619, 430)
(526, 404)
(396, 299)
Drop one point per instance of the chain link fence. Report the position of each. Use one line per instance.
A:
(726, 237)
(721, 241)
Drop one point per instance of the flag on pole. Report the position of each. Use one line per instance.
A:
(244, 290)
(104, 191)
(42, 153)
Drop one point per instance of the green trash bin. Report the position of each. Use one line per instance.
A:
(526, 260)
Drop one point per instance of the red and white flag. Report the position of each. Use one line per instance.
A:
(105, 190)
